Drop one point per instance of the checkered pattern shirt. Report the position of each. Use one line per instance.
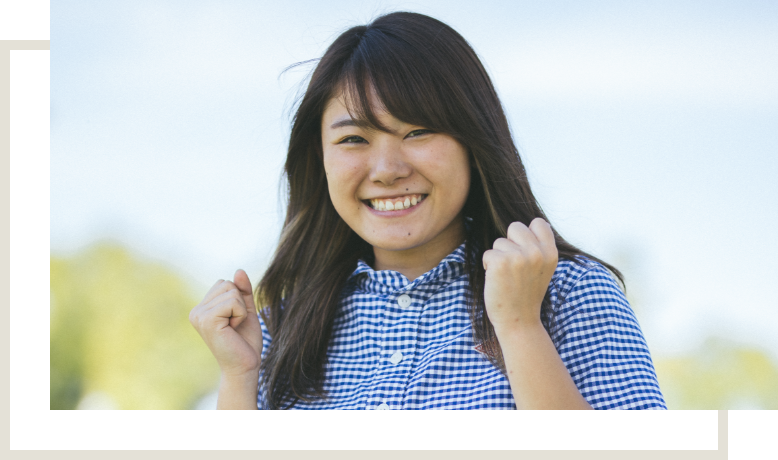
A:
(400, 344)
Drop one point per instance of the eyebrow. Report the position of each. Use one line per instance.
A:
(344, 122)
(352, 122)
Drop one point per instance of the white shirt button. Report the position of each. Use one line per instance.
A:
(396, 358)
(383, 406)
(404, 301)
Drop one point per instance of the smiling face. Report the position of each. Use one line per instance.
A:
(401, 191)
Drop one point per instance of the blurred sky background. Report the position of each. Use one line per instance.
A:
(649, 131)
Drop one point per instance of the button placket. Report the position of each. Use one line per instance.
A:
(404, 301)
(394, 363)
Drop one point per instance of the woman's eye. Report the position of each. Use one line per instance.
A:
(419, 132)
(352, 140)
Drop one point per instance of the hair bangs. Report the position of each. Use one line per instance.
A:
(387, 74)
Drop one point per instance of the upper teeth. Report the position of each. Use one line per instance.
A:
(396, 204)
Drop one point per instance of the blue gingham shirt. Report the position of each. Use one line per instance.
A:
(400, 344)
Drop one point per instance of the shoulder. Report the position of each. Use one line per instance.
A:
(575, 276)
(586, 297)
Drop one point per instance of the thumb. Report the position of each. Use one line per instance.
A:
(241, 281)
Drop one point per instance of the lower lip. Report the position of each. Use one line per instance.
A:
(400, 213)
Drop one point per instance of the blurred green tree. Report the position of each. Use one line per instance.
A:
(721, 374)
(119, 327)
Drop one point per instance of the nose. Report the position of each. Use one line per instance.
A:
(389, 164)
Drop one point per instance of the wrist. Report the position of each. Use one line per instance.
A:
(238, 391)
(235, 376)
(517, 328)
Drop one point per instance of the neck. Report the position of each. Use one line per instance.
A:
(414, 262)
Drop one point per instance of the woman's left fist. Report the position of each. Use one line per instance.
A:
(518, 271)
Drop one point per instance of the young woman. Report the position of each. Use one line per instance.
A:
(415, 269)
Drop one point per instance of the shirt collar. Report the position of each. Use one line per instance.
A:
(390, 281)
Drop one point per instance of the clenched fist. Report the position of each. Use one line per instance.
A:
(518, 271)
(227, 321)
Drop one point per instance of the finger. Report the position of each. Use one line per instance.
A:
(486, 258)
(228, 312)
(545, 237)
(218, 289)
(492, 258)
(521, 235)
(233, 293)
(243, 284)
(210, 293)
(505, 245)
(234, 309)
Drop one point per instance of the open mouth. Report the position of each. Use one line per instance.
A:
(395, 204)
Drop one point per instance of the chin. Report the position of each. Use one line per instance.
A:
(395, 243)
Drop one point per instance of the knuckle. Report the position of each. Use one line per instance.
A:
(515, 226)
(229, 285)
(195, 315)
(487, 255)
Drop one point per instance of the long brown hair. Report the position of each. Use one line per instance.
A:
(425, 74)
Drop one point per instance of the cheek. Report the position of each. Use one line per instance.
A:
(460, 182)
(453, 165)
(462, 168)
(462, 188)
(342, 178)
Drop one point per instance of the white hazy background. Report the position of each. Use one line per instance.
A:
(649, 131)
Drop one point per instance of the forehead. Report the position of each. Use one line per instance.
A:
(342, 110)
(335, 109)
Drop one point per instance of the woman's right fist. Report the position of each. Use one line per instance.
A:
(227, 321)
